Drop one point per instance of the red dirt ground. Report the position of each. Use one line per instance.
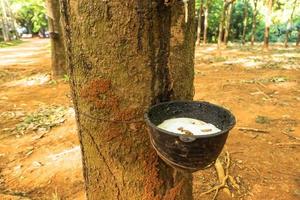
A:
(248, 81)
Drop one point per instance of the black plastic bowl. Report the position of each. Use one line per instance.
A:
(190, 153)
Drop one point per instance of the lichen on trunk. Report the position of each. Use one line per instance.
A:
(124, 56)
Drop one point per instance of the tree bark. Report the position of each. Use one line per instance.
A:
(268, 23)
(5, 26)
(57, 40)
(289, 25)
(253, 33)
(123, 57)
(228, 20)
(205, 21)
(199, 24)
(245, 21)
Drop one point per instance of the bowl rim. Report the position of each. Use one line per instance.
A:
(147, 119)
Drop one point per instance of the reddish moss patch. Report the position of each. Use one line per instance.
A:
(172, 193)
(152, 182)
(96, 87)
(97, 93)
(128, 114)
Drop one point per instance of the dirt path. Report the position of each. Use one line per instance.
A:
(261, 88)
(35, 165)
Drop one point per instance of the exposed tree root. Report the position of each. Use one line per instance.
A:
(224, 178)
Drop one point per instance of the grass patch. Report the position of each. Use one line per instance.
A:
(262, 120)
(10, 43)
(274, 79)
(218, 59)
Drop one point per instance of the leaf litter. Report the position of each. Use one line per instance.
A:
(40, 121)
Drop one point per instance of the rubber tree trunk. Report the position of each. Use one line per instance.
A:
(289, 25)
(205, 21)
(253, 33)
(227, 24)
(199, 24)
(245, 22)
(58, 57)
(5, 22)
(268, 23)
(123, 57)
(221, 24)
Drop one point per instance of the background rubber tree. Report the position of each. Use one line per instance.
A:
(268, 21)
(226, 4)
(206, 9)
(58, 60)
(289, 25)
(245, 21)
(199, 23)
(228, 23)
(5, 21)
(254, 17)
(123, 57)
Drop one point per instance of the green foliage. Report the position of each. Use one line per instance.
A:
(281, 13)
(262, 120)
(66, 78)
(215, 10)
(30, 14)
(10, 43)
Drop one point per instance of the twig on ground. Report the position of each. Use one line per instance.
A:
(261, 84)
(253, 130)
(263, 93)
(291, 136)
(287, 144)
(224, 177)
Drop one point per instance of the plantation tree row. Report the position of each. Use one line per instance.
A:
(248, 21)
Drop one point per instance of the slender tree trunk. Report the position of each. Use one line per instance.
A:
(12, 20)
(57, 39)
(268, 23)
(123, 57)
(298, 39)
(289, 25)
(228, 20)
(221, 24)
(5, 26)
(199, 26)
(253, 33)
(205, 21)
(245, 21)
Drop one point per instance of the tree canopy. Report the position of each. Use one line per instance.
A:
(30, 14)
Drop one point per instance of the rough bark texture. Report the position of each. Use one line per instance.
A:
(245, 22)
(253, 33)
(57, 40)
(288, 26)
(205, 21)
(5, 26)
(199, 26)
(123, 57)
(227, 24)
(268, 23)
